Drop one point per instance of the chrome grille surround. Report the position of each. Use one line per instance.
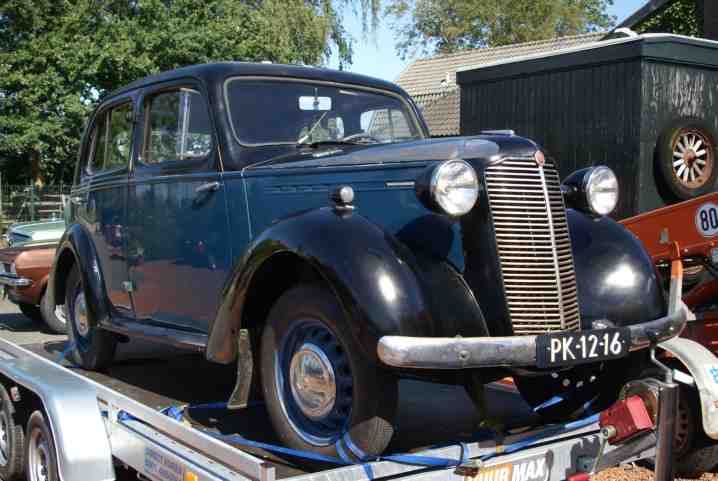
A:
(534, 246)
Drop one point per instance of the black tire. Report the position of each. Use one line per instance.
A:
(40, 453)
(31, 311)
(694, 452)
(12, 446)
(582, 389)
(683, 187)
(55, 324)
(95, 349)
(365, 403)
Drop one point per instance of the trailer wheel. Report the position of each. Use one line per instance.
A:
(40, 450)
(317, 383)
(12, 440)
(94, 347)
(686, 156)
(694, 452)
(55, 324)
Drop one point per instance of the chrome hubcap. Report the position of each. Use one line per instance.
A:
(312, 381)
(80, 315)
(39, 454)
(4, 432)
(692, 158)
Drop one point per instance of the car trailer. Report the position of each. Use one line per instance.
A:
(89, 428)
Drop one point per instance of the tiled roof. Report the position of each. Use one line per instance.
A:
(432, 81)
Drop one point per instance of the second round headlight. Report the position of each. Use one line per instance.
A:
(455, 187)
(601, 188)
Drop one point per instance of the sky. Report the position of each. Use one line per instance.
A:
(376, 56)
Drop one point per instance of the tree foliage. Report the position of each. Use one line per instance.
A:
(680, 17)
(443, 26)
(58, 57)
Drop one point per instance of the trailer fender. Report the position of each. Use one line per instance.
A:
(703, 367)
(81, 443)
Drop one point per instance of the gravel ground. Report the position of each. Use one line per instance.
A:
(638, 473)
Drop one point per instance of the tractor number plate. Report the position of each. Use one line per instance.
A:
(570, 348)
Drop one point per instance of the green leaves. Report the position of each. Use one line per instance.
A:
(679, 17)
(58, 57)
(443, 26)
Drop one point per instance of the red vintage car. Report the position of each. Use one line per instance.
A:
(23, 274)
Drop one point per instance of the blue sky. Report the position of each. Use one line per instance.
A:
(377, 57)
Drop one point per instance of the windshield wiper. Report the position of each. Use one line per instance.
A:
(321, 143)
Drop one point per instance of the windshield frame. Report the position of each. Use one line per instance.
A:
(411, 112)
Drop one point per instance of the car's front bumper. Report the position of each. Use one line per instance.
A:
(11, 280)
(516, 351)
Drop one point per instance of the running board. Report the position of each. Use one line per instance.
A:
(191, 341)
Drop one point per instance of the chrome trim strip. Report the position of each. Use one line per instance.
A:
(14, 281)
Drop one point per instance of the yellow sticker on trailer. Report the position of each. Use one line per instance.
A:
(530, 469)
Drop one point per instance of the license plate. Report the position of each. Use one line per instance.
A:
(570, 348)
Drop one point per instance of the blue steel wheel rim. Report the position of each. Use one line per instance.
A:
(328, 425)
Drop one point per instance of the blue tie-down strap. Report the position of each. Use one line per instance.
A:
(66, 352)
(556, 400)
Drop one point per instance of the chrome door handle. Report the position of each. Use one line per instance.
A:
(208, 187)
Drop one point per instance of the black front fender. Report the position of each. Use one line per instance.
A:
(376, 278)
(617, 281)
(76, 248)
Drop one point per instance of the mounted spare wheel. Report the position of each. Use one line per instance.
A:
(686, 156)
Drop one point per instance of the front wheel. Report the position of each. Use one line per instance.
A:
(318, 385)
(54, 323)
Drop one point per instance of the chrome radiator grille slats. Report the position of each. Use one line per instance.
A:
(534, 246)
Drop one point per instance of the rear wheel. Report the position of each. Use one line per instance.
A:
(40, 450)
(694, 452)
(94, 348)
(31, 311)
(317, 383)
(54, 323)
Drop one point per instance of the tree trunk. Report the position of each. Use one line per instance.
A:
(35, 169)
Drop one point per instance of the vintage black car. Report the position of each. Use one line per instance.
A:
(299, 223)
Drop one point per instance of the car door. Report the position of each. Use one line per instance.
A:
(178, 246)
(99, 196)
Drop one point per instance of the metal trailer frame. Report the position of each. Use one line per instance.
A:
(90, 436)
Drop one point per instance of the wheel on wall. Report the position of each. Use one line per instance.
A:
(12, 441)
(94, 348)
(317, 383)
(54, 323)
(686, 156)
(40, 454)
(31, 311)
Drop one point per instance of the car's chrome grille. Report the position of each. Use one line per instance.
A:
(534, 246)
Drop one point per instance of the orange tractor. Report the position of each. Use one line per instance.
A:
(689, 231)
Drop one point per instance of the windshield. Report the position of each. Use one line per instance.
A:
(286, 112)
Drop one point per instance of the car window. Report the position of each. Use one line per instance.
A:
(271, 112)
(112, 139)
(385, 125)
(178, 127)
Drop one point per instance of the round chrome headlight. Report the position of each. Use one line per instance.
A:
(454, 187)
(601, 189)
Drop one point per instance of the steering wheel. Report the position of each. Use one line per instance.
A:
(361, 135)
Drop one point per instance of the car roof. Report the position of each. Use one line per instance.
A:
(221, 70)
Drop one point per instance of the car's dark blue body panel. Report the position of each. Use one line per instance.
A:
(180, 245)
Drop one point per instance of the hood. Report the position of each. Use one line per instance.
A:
(486, 147)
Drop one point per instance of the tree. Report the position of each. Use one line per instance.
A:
(58, 57)
(444, 26)
(680, 17)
